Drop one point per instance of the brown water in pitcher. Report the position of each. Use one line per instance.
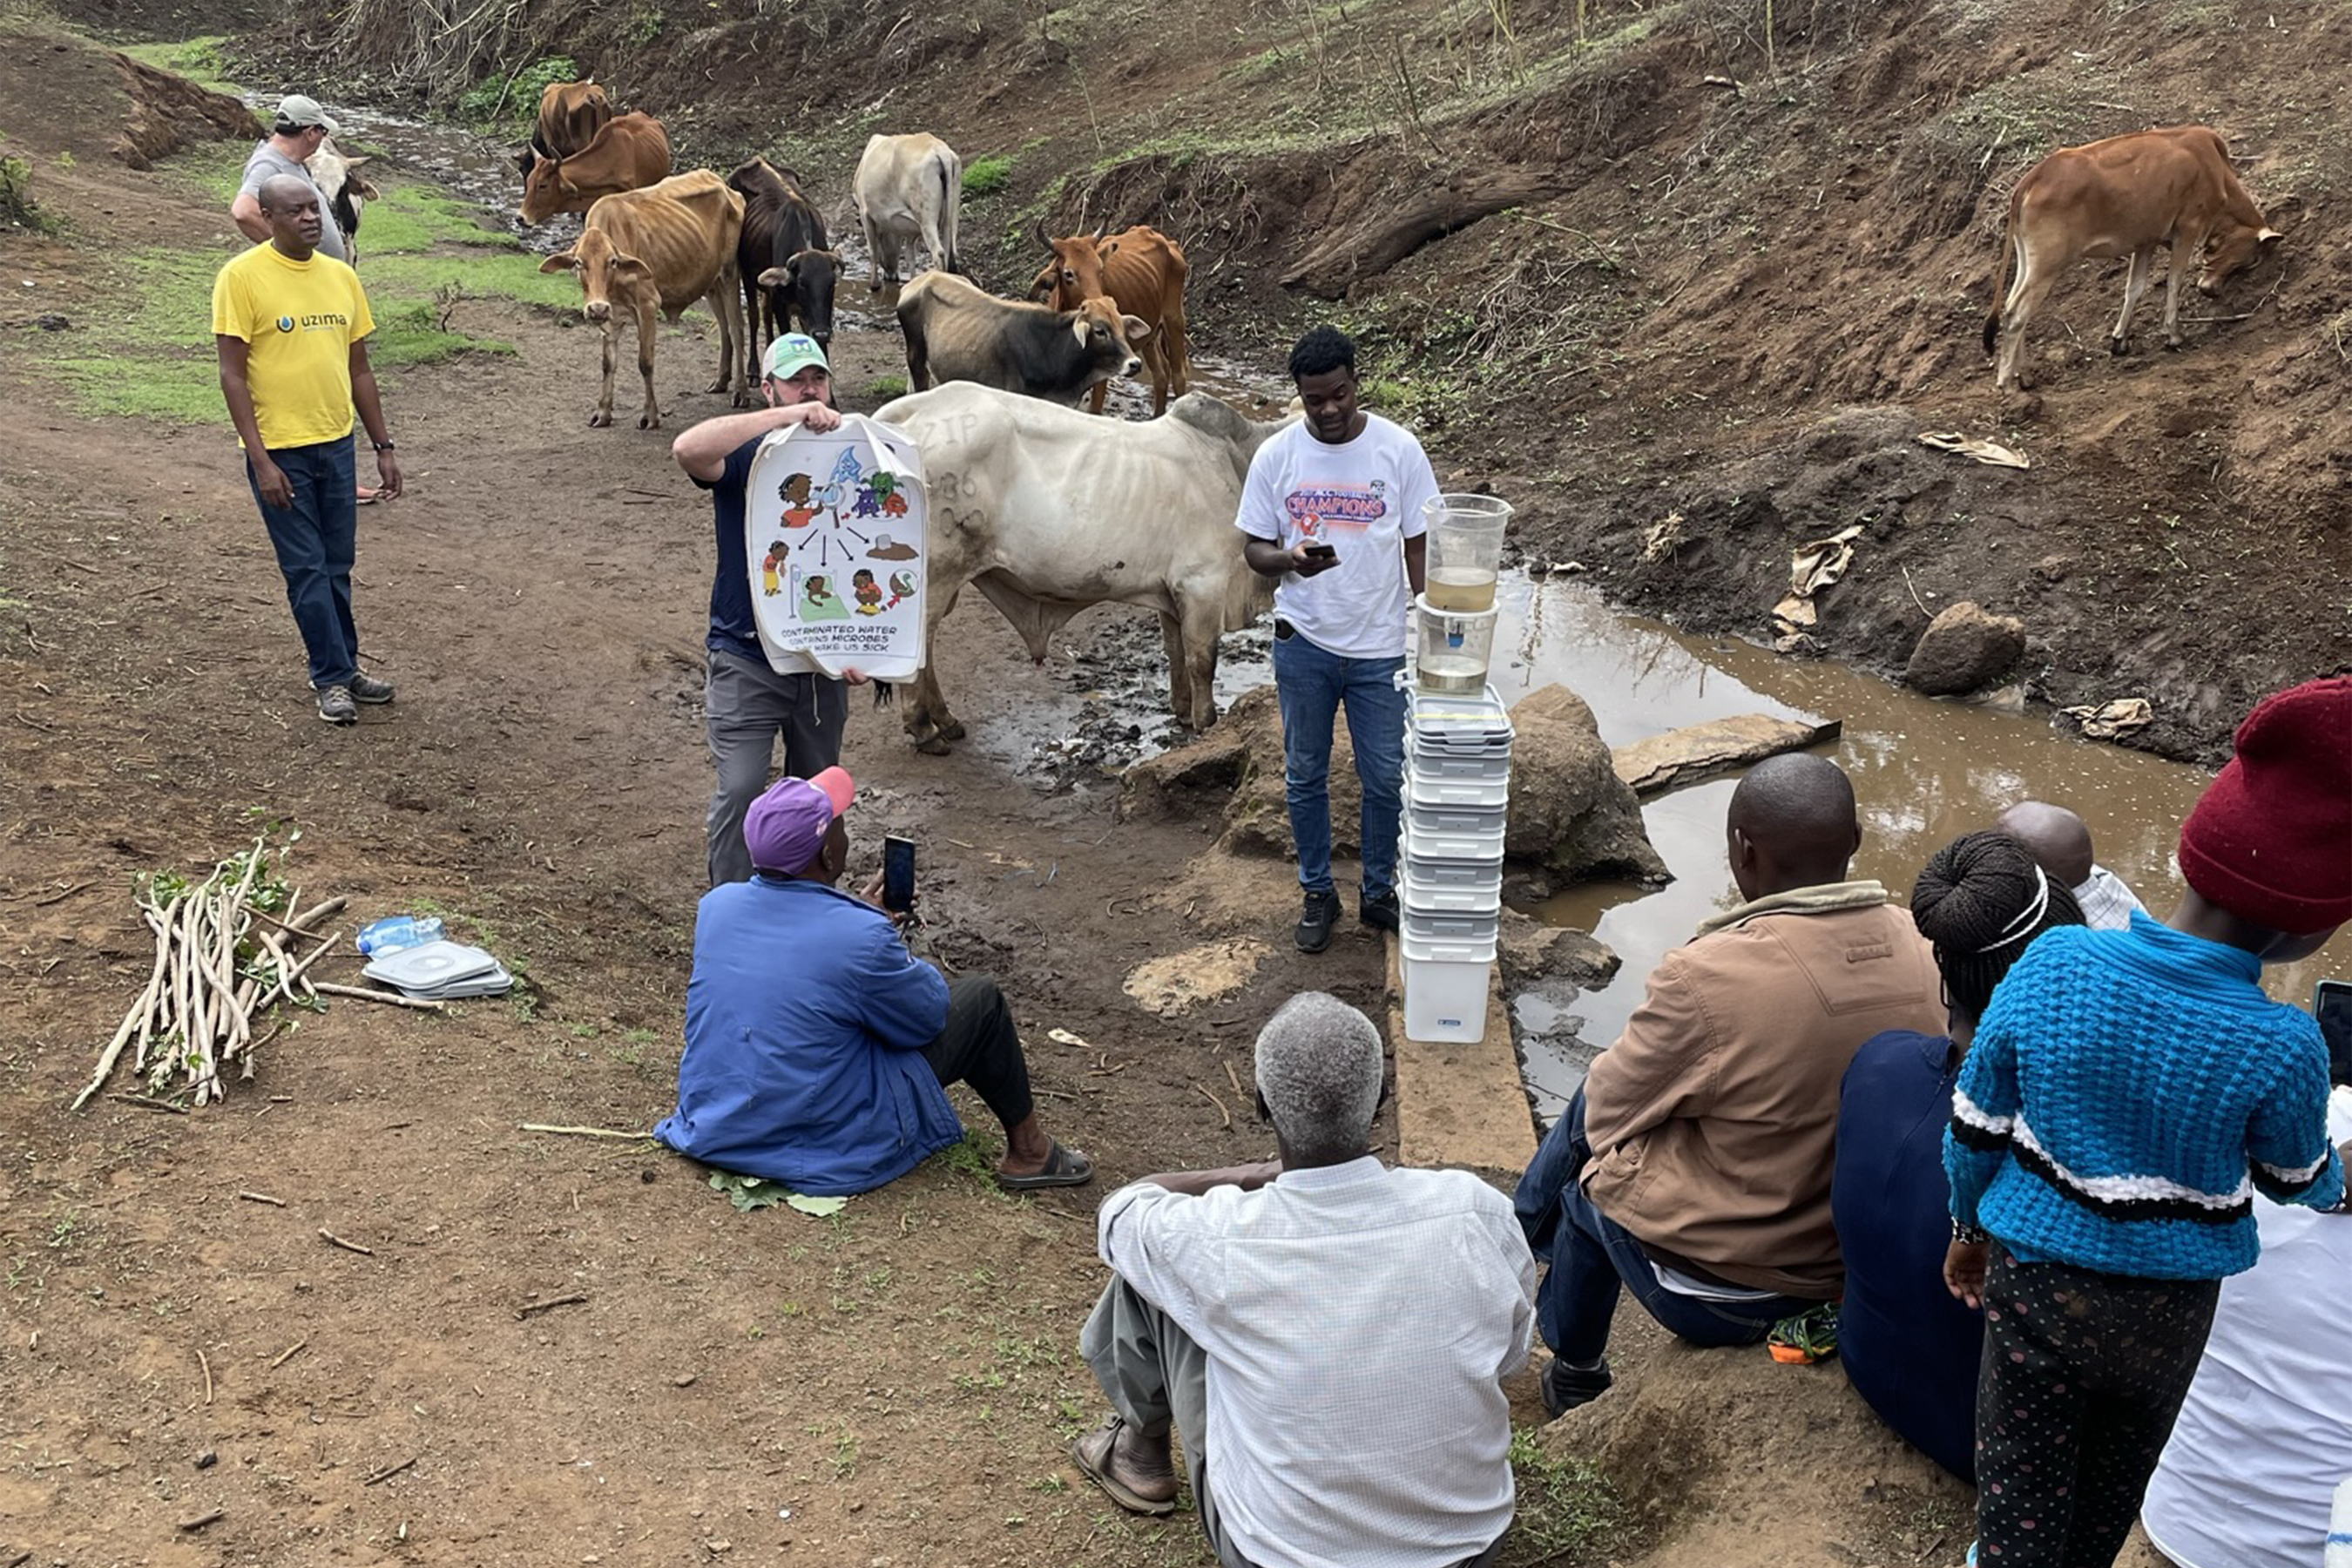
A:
(1461, 588)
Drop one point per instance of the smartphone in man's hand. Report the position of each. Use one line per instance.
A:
(897, 874)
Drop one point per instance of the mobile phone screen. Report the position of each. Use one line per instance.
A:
(2331, 1002)
(897, 874)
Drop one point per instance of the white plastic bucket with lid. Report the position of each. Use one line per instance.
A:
(1471, 927)
(1455, 833)
(1465, 549)
(1445, 986)
(1422, 894)
(1483, 787)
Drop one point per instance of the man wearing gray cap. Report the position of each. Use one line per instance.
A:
(295, 132)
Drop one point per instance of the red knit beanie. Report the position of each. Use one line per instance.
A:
(2271, 839)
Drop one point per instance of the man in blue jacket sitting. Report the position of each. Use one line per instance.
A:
(816, 1045)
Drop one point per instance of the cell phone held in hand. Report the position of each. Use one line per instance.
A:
(1320, 550)
(2331, 1003)
(897, 874)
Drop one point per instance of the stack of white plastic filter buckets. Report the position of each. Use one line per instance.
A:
(1457, 777)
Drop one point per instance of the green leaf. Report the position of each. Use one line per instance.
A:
(821, 1207)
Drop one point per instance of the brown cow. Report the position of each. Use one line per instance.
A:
(629, 154)
(2172, 186)
(570, 115)
(659, 250)
(1143, 271)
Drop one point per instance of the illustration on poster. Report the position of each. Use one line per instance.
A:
(827, 583)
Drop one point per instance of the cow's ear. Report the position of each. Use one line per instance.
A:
(629, 268)
(562, 262)
(369, 192)
(775, 278)
(1137, 329)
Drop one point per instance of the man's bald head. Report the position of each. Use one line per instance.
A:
(1792, 824)
(284, 193)
(2058, 840)
(291, 205)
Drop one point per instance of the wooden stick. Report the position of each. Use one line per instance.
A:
(1220, 1104)
(286, 977)
(61, 897)
(579, 1131)
(346, 1246)
(389, 1472)
(203, 1519)
(529, 1307)
(389, 998)
(208, 1373)
(288, 1354)
(263, 1198)
(141, 1099)
(132, 1023)
(316, 913)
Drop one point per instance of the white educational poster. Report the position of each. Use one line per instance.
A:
(833, 533)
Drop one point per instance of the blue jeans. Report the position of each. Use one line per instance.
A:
(1592, 1257)
(1311, 683)
(316, 540)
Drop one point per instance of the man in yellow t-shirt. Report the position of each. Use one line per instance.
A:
(290, 324)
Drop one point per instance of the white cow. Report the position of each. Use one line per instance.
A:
(1047, 510)
(908, 189)
(343, 191)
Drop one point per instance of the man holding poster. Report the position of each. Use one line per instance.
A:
(748, 699)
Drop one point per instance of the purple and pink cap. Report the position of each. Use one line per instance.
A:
(785, 827)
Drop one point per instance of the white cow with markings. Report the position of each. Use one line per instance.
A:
(1049, 512)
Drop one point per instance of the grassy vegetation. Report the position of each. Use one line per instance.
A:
(199, 60)
(1569, 1513)
(149, 350)
(987, 175)
(887, 386)
(514, 100)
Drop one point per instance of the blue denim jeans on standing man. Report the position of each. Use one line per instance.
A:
(316, 540)
(1592, 1257)
(1311, 683)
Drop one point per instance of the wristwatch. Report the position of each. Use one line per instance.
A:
(383, 445)
(1971, 1235)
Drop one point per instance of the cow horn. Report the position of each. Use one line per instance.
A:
(2268, 233)
(1100, 229)
(1039, 227)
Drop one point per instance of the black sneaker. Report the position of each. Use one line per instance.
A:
(335, 705)
(1316, 919)
(1380, 912)
(1565, 1387)
(368, 689)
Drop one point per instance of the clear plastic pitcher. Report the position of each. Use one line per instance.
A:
(1454, 647)
(1465, 549)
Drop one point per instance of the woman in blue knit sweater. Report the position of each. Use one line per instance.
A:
(2127, 1093)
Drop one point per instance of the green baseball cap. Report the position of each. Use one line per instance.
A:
(790, 354)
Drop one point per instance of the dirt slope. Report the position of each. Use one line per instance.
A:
(1664, 263)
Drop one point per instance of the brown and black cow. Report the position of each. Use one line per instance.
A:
(783, 255)
(957, 331)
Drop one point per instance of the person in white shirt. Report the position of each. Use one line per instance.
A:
(2059, 843)
(1329, 1336)
(2266, 1435)
(1333, 508)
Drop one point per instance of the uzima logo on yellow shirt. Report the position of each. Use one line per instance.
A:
(285, 323)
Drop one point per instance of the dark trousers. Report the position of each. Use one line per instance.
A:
(746, 708)
(1592, 1257)
(982, 1046)
(316, 538)
(2081, 1378)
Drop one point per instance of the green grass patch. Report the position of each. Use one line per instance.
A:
(514, 100)
(410, 219)
(887, 386)
(987, 175)
(1569, 1513)
(515, 275)
(199, 60)
(212, 171)
(411, 333)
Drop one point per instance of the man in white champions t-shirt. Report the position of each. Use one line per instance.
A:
(1333, 508)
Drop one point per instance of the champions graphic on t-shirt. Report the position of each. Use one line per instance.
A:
(1324, 506)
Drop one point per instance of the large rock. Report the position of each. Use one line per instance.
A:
(1532, 952)
(1657, 763)
(1964, 649)
(1569, 811)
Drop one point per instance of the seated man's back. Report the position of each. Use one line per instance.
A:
(1357, 1322)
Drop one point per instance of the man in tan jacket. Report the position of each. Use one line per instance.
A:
(1694, 1166)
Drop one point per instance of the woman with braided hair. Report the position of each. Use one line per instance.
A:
(1909, 1349)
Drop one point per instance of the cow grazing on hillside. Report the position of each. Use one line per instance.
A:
(2124, 196)
(343, 191)
(956, 332)
(1142, 270)
(629, 154)
(783, 255)
(657, 251)
(908, 189)
(1047, 510)
(570, 115)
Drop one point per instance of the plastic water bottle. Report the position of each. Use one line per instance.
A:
(2339, 1529)
(398, 932)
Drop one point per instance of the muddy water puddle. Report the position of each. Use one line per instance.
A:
(1924, 773)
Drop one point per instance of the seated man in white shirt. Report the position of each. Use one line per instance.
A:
(2060, 842)
(1328, 1335)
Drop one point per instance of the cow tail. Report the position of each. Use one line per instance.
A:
(885, 694)
(1999, 273)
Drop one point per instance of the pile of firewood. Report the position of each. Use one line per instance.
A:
(226, 951)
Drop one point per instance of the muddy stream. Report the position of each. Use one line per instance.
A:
(1923, 771)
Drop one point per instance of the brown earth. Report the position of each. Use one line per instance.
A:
(1686, 307)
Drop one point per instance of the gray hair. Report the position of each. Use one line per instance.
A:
(1318, 1069)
